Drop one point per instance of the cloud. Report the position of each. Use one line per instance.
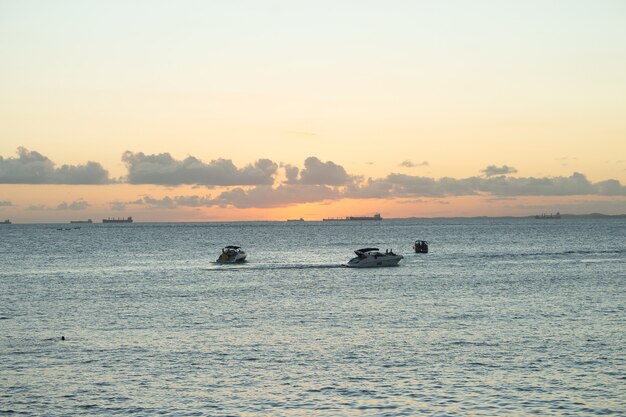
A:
(117, 205)
(409, 164)
(283, 195)
(163, 169)
(31, 167)
(493, 170)
(36, 207)
(5, 204)
(400, 185)
(170, 202)
(261, 196)
(74, 205)
(291, 173)
(370, 189)
(422, 201)
(316, 172)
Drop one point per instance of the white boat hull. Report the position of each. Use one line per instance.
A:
(374, 261)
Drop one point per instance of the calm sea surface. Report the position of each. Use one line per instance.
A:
(503, 317)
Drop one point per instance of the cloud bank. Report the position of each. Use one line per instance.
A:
(163, 169)
(31, 167)
(254, 185)
(400, 185)
(393, 186)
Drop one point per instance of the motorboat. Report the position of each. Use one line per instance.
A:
(231, 255)
(420, 246)
(372, 257)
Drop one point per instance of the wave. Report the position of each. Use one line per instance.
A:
(542, 254)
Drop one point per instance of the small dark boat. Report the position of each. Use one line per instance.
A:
(420, 246)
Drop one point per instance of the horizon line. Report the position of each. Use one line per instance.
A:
(587, 215)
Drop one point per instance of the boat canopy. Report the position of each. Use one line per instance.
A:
(366, 250)
(232, 247)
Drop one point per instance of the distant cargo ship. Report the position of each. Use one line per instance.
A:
(349, 218)
(7, 221)
(81, 221)
(296, 220)
(549, 216)
(118, 220)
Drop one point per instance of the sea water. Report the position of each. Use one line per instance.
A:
(502, 317)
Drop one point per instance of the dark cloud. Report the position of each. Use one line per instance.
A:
(31, 167)
(316, 172)
(610, 187)
(410, 164)
(163, 169)
(370, 189)
(493, 170)
(90, 173)
(5, 204)
(74, 205)
(291, 173)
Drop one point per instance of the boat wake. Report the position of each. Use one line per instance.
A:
(268, 267)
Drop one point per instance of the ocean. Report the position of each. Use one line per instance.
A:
(502, 317)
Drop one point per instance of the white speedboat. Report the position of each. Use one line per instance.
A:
(231, 255)
(372, 257)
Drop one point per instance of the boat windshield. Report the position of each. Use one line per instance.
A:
(366, 250)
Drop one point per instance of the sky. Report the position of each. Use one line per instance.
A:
(269, 110)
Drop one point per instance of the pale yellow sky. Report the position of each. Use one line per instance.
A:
(452, 87)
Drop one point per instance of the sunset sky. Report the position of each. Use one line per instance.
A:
(268, 110)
